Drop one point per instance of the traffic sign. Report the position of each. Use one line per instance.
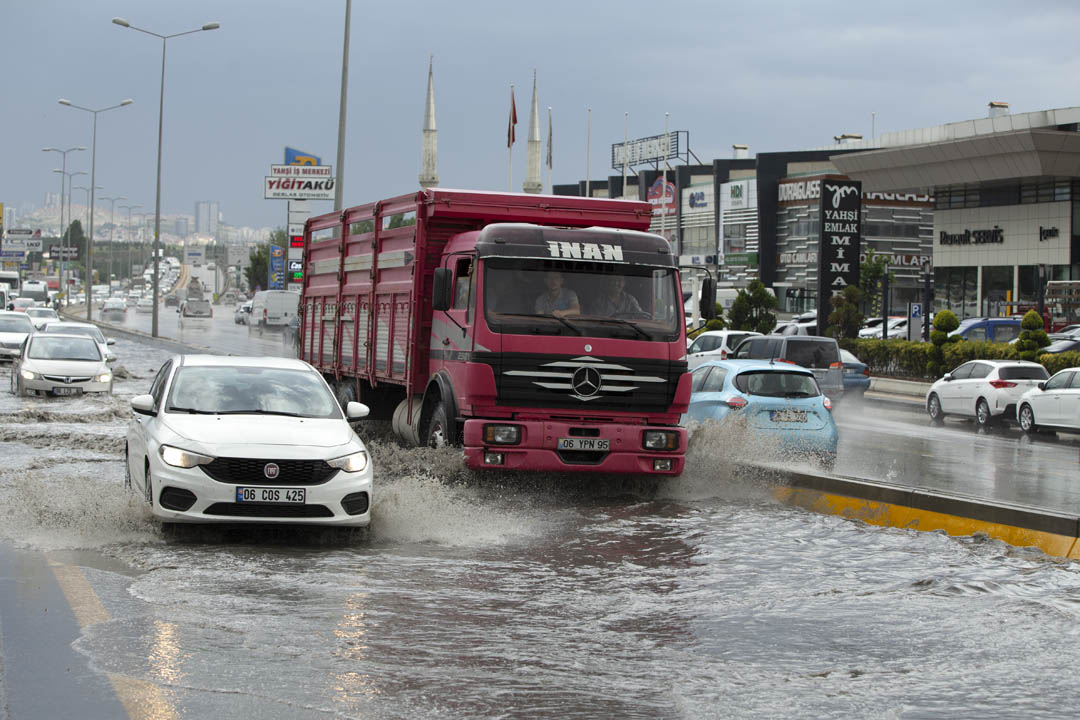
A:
(916, 310)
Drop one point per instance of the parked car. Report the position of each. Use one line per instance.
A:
(39, 316)
(247, 439)
(715, 345)
(796, 328)
(777, 400)
(87, 329)
(856, 374)
(1052, 405)
(57, 365)
(242, 313)
(1000, 330)
(14, 327)
(1069, 344)
(816, 353)
(897, 328)
(272, 309)
(986, 390)
(145, 305)
(114, 309)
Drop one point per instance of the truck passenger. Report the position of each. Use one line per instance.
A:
(615, 301)
(558, 301)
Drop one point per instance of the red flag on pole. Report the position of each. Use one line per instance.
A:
(513, 120)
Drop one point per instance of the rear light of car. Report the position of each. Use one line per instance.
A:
(866, 371)
(836, 365)
(783, 360)
(736, 403)
(828, 404)
(723, 354)
(1001, 384)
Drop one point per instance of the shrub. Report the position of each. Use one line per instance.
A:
(1032, 336)
(944, 323)
(1060, 361)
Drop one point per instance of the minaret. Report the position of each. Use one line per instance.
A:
(532, 182)
(429, 155)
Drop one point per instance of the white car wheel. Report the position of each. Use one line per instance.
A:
(933, 407)
(148, 488)
(1027, 420)
(983, 418)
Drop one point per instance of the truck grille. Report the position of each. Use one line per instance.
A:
(241, 471)
(586, 382)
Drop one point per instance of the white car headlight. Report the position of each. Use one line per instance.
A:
(350, 463)
(27, 375)
(182, 458)
(104, 377)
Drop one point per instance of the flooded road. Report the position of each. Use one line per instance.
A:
(510, 596)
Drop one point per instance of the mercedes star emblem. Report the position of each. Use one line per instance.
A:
(586, 381)
(271, 470)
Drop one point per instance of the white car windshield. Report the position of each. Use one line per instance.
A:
(43, 347)
(217, 390)
(16, 324)
(87, 330)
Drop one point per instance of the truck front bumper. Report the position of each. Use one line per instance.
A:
(539, 448)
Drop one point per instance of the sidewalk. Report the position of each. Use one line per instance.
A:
(909, 393)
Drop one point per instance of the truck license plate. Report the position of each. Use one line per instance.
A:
(584, 444)
(277, 495)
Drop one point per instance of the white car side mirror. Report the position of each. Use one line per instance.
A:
(143, 404)
(355, 411)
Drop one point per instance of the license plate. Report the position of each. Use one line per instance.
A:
(65, 391)
(278, 495)
(798, 416)
(584, 444)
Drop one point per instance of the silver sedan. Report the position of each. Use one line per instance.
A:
(58, 365)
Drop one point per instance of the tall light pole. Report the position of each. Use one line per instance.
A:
(341, 110)
(112, 224)
(161, 112)
(131, 265)
(93, 168)
(63, 153)
(65, 235)
(83, 187)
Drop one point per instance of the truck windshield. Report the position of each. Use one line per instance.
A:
(547, 297)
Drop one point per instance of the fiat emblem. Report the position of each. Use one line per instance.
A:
(588, 348)
(271, 470)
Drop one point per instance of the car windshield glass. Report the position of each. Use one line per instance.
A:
(848, 357)
(817, 354)
(251, 390)
(43, 347)
(41, 313)
(88, 331)
(15, 323)
(197, 307)
(1024, 372)
(596, 299)
(777, 383)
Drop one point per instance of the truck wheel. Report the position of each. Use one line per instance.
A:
(345, 393)
(439, 430)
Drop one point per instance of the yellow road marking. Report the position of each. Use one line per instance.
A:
(142, 700)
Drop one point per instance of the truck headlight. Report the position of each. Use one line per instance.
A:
(502, 434)
(350, 463)
(27, 375)
(182, 458)
(660, 440)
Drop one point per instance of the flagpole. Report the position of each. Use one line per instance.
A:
(588, 137)
(510, 146)
(549, 151)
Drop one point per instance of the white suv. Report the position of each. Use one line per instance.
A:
(986, 390)
(715, 345)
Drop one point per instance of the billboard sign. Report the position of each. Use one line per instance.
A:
(299, 157)
(648, 150)
(279, 187)
(661, 195)
(277, 268)
(841, 236)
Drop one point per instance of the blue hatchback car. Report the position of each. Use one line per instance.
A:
(777, 399)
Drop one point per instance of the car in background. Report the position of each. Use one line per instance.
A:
(195, 313)
(777, 400)
(897, 328)
(1001, 330)
(242, 313)
(1068, 344)
(89, 330)
(145, 305)
(20, 304)
(272, 310)
(1069, 330)
(40, 316)
(222, 439)
(986, 390)
(114, 309)
(133, 298)
(14, 327)
(856, 374)
(1052, 405)
(171, 300)
(715, 345)
(58, 365)
(818, 354)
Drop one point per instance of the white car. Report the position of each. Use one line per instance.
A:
(52, 364)
(1052, 405)
(715, 345)
(14, 327)
(987, 390)
(41, 315)
(87, 329)
(145, 305)
(897, 328)
(224, 439)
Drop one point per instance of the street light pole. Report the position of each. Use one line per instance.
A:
(65, 236)
(112, 224)
(63, 153)
(93, 170)
(342, 103)
(161, 114)
(131, 243)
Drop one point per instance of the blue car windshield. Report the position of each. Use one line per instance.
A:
(777, 383)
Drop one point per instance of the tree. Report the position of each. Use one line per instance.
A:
(871, 271)
(751, 309)
(258, 267)
(1032, 336)
(846, 319)
(945, 322)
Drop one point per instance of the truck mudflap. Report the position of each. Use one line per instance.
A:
(559, 446)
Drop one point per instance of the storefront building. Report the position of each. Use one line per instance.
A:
(1007, 203)
(739, 231)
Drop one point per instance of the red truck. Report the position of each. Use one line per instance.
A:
(541, 332)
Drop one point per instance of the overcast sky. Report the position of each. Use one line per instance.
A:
(774, 75)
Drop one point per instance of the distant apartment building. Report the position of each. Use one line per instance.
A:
(206, 217)
(182, 227)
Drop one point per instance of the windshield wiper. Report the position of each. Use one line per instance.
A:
(566, 322)
(623, 321)
(255, 411)
(193, 411)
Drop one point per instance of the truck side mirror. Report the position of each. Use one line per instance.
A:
(708, 299)
(443, 289)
